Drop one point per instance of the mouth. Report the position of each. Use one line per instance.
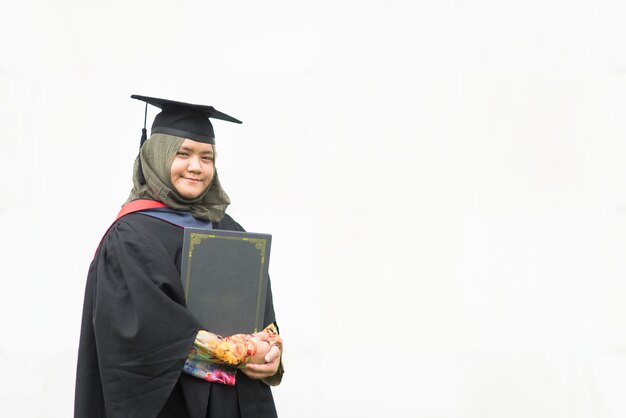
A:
(192, 179)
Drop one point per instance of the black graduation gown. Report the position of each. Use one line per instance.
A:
(136, 333)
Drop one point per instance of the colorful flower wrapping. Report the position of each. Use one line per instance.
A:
(211, 372)
(214, 358)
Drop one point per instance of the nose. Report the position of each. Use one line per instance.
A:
(194, 164)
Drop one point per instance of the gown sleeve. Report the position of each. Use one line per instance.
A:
(143, 333)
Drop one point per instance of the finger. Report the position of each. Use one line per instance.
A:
(259, 368)
(249, 368)
(278, 341)
(273, 354)
(267, 368)
(255, 375)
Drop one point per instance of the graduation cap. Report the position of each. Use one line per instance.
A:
(190, 121)
(185, 120)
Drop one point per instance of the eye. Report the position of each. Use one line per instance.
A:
(207, 158)
(182, 154)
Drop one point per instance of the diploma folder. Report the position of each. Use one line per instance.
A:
(225, 275)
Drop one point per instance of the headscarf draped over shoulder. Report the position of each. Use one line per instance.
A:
(157, 155)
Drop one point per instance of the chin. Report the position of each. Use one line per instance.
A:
(191, 196)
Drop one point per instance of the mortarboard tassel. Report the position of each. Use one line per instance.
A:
(144, 136)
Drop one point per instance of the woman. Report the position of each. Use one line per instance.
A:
(141, 353)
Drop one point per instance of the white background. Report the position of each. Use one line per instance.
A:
(444, 181)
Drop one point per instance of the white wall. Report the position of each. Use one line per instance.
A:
(445, 183)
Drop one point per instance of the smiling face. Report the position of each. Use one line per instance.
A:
(193, 168)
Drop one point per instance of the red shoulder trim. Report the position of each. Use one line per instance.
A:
(139, 205)
(134, 206)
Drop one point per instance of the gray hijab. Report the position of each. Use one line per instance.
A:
(157, 155)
